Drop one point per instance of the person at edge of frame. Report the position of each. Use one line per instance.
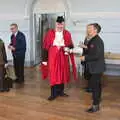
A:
(3, 65)
(86, 73)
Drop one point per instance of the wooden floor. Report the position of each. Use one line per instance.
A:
(29, 101)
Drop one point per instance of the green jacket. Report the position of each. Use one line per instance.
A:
(3, 57)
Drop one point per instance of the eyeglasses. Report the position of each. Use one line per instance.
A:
(12, 28)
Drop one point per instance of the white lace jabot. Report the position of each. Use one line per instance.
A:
(59, 40)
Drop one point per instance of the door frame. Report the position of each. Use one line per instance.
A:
(35, 31)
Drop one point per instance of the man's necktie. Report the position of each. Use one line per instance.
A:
(14, 40)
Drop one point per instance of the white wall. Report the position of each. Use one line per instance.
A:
(12, 6)
(110, 28)
(5, 33)
(21, 12)
(14, 11)
(51, 6)
(105, 12)
(79, 13)
(77, 6)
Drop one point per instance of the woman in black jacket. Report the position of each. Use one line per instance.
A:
(87, 75)
(96, 64)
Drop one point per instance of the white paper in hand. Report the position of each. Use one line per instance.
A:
(44, 63)
(6, 65)
(77, 50)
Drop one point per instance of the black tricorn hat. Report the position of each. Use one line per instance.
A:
(60, 19)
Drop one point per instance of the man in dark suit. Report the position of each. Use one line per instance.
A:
(96, 64)
(18, 48)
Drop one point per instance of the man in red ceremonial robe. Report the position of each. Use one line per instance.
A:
(56, 46)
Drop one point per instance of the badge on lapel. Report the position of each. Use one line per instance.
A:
(92, 46)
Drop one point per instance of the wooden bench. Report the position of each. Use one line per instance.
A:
(112, 63)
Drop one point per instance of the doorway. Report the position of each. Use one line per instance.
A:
(43, 22)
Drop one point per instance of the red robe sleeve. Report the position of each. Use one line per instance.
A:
(74, 70)
(47, 40)
(46, 45)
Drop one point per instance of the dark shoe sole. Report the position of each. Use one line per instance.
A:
(18, 82)
(89, 91)
(51, 98)
(5, 90)
(93, 110)
(64, 95)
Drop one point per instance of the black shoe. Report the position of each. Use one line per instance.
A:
(89, 90)
(2, 90)
(93, 109)
(100, 100)
(64, 95)
(51, 98)
(16, 80)
(5, 90)
(19, 82)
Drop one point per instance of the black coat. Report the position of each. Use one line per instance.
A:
(20, 44)
(95, 56)
(3, 56)
(87, 74)
(85, 51)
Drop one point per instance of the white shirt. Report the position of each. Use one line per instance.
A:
(16, 33)
(59, 40)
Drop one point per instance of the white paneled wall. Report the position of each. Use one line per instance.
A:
(110, 29)
(79, 6)
(79, 13)
(5, 33)
(104, 12)
(51, 6)
(15, 11)
(12, 6)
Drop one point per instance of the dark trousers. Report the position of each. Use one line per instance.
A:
(87, 76)
(57, 90)
(2, 74)
(95, 82)
(19, 67)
